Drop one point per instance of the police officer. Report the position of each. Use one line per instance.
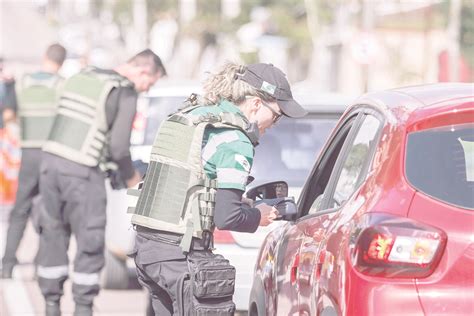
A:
(199, 167)
(95, 115)
(37, 98)
(8, 99)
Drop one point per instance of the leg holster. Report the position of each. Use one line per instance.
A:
(211, 282)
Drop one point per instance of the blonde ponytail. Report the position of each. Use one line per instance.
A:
(225, 85)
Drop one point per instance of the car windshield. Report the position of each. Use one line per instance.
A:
(288, 150)
(440, 163)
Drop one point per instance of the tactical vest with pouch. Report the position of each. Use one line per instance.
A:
(79, 132)
(37, 102)
(177, 195)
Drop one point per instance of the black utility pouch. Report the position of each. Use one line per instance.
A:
(213, 307)
(211, 275)
(212, 282)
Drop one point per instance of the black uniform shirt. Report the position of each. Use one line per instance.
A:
(120, 107)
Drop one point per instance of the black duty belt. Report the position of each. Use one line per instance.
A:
(169, 237)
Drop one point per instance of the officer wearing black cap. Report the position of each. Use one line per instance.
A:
(198, 172)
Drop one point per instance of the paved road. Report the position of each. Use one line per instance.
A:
(22, 297)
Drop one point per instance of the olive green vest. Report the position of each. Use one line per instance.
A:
(177, 196)
(37, 101)
(79, 132)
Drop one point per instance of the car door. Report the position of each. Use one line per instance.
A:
(287, 254)
(322, 235)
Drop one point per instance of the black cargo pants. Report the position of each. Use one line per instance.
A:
(28, 189)
(74, 201)
(164, 270)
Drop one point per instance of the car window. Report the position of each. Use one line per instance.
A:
(440, 163)
(358, 157)
(311, 197)
(287, 151)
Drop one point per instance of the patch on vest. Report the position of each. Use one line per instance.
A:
(243, 162)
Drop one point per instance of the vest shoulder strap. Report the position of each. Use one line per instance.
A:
(118, 80)
(29, 80)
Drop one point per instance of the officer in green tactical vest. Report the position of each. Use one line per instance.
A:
(37, 98)
(92, 126)
(199, 166)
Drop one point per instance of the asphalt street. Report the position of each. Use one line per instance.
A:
(21, 296)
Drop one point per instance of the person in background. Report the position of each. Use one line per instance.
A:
(8, 102)
(93, 125)
(9, 147)
(37, 100)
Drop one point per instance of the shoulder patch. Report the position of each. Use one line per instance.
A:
(243, 162)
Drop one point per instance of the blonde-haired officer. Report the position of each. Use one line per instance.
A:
(200, 163)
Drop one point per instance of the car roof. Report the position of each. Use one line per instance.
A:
(323, 102)
(406, 102)
(432, 94)
(409, 99)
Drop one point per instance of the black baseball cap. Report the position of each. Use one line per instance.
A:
(271, 80)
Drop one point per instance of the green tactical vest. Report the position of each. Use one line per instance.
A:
(79, 132)
(37, 101)
(177, 195)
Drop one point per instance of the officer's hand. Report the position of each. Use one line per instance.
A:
(134, 180)
(267, 214)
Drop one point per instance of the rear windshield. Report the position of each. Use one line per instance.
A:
(440, 163)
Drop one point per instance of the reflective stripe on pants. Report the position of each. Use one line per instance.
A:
(53, 272)
(85, 278)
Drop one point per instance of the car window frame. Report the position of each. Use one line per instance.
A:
(359, 114)
(351, 121)
(333, 180)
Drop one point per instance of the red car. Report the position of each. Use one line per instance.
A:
(385, 222)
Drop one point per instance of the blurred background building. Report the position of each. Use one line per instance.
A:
(348, 46)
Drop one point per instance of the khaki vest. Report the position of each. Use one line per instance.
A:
(177, 196)
(80, 130)
(37, 101)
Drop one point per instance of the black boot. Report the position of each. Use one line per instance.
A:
(83, 310)
(53, 308)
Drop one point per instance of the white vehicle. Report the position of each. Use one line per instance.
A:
(285, 152)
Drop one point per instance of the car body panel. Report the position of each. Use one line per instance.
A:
(319, 245)
(451, 287)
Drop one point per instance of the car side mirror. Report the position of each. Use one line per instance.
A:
(272, 190)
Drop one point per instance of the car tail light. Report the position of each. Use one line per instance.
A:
(389, 246)
(223, 237)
